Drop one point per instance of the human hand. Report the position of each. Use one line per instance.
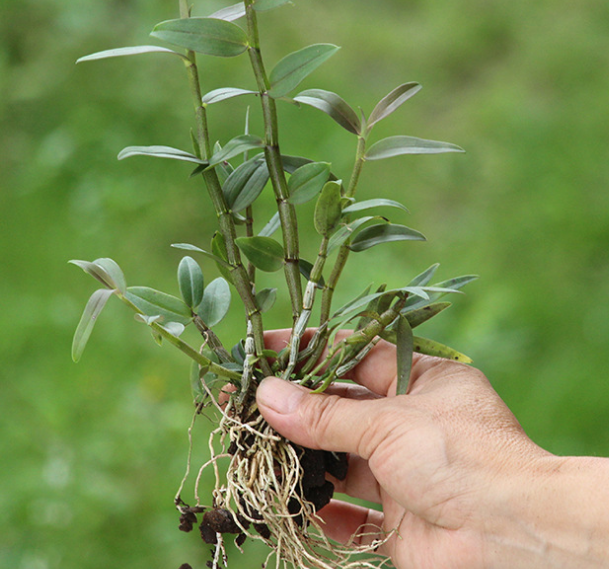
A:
(450, 465)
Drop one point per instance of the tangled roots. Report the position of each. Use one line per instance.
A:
(271, 492)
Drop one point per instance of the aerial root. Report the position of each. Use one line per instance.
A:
(262, 497)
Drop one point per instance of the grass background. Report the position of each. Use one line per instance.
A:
(92, 454)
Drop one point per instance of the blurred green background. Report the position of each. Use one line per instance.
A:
(93, 454)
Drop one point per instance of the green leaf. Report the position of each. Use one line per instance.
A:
(190, 281)
(293, 68)
(234, 147)
(404, 349)
(94, 306)
(328, 210)
(392, 101)
(383, 233)
(159, 152)
(223, 94)
(420, 315)
(218, 248)
(230, 13)
(154, 302)
(432, 348)
(124, 51)
(369, 204)
(334, 106)
(266, 298)
(398, 145)
(174, 328)
(443, 288)
(212, 256)
(273, 225)
(263, 252)
(425, 277)
(292, 163)
(358, 302)
(246, 183)
(210, 36)
(264, 5)
(216, 302)
(106, 271)
(346, 231)
(306, 268)
(307, 181)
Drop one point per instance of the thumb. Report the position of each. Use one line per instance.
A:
(319, 420)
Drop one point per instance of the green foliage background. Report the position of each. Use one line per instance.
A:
(92, 454)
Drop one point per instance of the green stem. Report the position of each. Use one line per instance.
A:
(343, 252)
(225, 220)
(272, 153)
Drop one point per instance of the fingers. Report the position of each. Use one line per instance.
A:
(360, 482)
(324, 421)
(349, 523)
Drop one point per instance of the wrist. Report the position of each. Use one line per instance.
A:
(553, 513)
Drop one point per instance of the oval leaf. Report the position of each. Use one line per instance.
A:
(369, 204)
(124, 51)
(234, 147)
(266, 298)
(307, 181)
(392, 101)
(404, 349)
(334, 106)
(263, 252)
(398, 145)
(223, 94)
(154, 302)
(293, 68)
(210, 36)
(159, 152)
(383, 233)
(246, 183)
(190, 281)
(94, 306)
(328, 210)
(216, 302)
(230, 13)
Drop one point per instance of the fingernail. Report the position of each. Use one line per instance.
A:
(279, 395)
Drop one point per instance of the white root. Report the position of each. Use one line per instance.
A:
(263, 477)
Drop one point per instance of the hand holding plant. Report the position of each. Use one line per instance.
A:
(273, 488)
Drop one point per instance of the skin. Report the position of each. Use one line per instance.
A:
(453, 471)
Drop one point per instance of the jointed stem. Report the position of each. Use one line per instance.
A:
(287, 212)
(227, 226)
